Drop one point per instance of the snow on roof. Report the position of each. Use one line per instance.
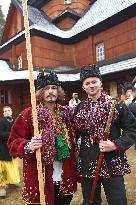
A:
(119, 66)
(6, 74)
(98, 12)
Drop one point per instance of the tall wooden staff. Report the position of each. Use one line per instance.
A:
(33, 100)
(101, 155)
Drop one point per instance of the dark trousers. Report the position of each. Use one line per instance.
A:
(60, 199)
(114, 189)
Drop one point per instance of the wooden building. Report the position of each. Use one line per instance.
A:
(66, 34)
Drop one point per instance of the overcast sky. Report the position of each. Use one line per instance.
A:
(5, 6)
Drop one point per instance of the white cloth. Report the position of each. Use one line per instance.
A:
(57, 170)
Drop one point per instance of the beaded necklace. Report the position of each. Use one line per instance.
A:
(92, 117)
(54, 134)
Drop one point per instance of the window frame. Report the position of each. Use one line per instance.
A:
(100, 51)
(5, 96)
(19, 62)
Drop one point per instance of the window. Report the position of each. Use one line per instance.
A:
(100, 52)
(19, 62)
(5, 96)
(67, 1)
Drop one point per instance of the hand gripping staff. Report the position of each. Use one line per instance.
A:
(33, 100)
(101, 155)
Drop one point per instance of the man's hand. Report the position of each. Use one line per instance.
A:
(107, 146)
(35, 143)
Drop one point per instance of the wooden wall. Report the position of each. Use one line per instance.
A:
(14, 24)
(51, 54)
(14, 53)
(119, 40)
(66, 23)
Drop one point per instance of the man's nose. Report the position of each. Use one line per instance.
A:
(50, 90)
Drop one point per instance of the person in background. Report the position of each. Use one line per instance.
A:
(74, 101)
(9, 166)
(127, 90)
(90, 119)
(57, 144)
(132, 106)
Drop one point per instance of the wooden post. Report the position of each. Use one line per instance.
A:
(33, 100)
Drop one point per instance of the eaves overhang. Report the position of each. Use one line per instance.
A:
(38, 4)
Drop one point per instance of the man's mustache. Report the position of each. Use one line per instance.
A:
(51, 95)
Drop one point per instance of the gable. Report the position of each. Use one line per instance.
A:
(55, 7)
(13, 25)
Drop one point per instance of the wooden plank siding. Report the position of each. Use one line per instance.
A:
(118, 40)
(51, 54)
(66, 23)
(16, 20)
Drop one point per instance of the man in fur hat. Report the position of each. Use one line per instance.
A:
(90, 120)
(56, 143)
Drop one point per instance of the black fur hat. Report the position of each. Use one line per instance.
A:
(47, 79)
(90, 71)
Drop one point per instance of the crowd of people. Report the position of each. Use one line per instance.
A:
(71, 140)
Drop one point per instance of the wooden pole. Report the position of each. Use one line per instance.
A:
(33, 100)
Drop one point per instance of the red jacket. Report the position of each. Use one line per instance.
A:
(21, 133)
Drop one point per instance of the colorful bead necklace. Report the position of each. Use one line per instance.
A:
(92, 117)
(54, 134)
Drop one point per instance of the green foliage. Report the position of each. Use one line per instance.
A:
(2, 22)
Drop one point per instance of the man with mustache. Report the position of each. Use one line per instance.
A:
(56, 143)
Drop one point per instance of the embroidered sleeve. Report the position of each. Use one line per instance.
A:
(27, 149)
